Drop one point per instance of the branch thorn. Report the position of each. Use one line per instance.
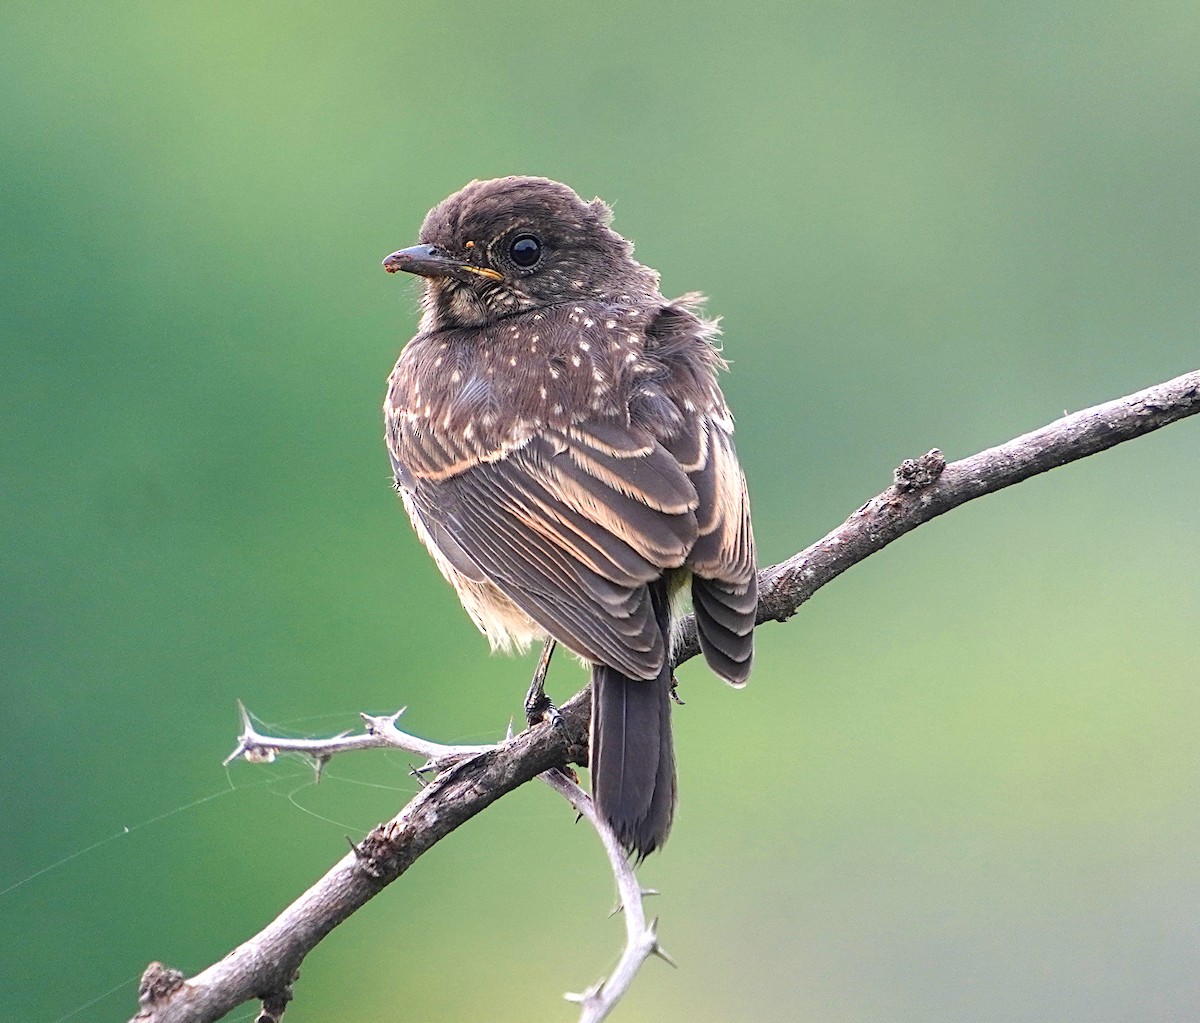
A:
(661, 952)
(588, 995)
(375, 721)
(655, 947)
(319, 767)
(250, 744)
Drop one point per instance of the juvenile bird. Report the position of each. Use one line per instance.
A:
(563, 449)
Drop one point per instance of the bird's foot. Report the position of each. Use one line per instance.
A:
(538, 708)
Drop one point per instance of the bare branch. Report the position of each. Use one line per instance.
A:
(926, 487)
(641, 940)
(265, 966)
(380, 733)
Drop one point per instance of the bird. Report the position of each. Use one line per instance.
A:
(560, 441)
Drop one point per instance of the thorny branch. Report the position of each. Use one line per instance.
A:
(381, 732)
(265, 966)
(641, 939)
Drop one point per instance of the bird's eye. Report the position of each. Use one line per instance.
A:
(525, 251)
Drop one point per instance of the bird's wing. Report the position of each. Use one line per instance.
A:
(724, 581)
(569, 523)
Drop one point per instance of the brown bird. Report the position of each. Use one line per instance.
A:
(563, 448)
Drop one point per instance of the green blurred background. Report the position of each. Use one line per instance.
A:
(964, 782)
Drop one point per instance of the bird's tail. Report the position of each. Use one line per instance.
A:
(632, 753)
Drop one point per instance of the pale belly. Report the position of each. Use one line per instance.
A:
(504, 624)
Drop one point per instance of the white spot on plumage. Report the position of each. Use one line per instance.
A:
(542, 392)
(557, 409)
(455, 377)
(610, 324)
(589, 322)
(723, 419)
(584, 346)
(574, 360)
(512, 361)
(631, 357)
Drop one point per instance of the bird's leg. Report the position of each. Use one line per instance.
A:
(537, 705)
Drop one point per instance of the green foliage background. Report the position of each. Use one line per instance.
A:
(963, 784)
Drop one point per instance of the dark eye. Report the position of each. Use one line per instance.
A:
(525, 250)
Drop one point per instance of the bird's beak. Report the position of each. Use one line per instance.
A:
(430, 261)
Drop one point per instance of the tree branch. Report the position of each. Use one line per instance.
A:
(380, 733)
(926, 487)
(265, 966)
(641, 939)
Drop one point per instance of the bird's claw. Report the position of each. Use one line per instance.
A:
(541, 709)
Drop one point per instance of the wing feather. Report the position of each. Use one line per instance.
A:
(572, 519)
(571, 527)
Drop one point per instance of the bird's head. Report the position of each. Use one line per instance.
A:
(511, 245)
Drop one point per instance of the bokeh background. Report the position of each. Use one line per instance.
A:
(964, 782)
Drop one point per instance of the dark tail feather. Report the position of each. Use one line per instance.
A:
(725, 615)
(632, 754)
(632, 757)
